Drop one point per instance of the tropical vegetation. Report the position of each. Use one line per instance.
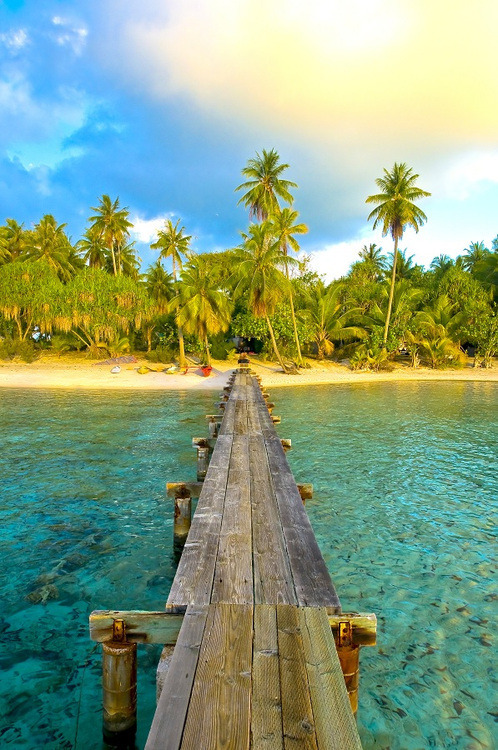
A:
(93, 296)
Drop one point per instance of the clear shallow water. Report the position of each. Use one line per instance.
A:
(405, 483)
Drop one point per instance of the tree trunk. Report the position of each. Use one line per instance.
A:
(181, 344)
(293, 316)
(208, 353)
(275, 347)
(391, 291)
(113, 259)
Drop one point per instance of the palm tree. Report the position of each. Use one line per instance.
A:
(173, 243)
(203, 308)
(265, 186)
(50, 243)
(441, 264)
(92, 249)
(395, 210)
(159, 285)
(258, 267)
(13, 240)
(373, 255)
(404, 264)
(110, 223)
(285, 228)
(474, 253)
(329, 318)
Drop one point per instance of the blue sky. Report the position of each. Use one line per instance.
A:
(162, 103)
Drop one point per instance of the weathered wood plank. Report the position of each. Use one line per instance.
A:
(219, 710)
(169, 719)
(363, 628)
(297, 714)
(334, 720)
(140, 626)
(312, 580)
(266, 714)
(193, 582)
(273, 581)
(233, 580)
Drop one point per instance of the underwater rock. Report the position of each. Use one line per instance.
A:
(43, 594)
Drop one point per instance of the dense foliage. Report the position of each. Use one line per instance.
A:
(91, 295)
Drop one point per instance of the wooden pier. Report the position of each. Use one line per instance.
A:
(264, 657)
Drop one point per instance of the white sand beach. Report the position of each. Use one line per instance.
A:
(82, 374)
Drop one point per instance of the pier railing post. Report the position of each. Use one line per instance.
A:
(203, 452)
(119, 689)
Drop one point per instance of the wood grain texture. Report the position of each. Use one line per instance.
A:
(219, 711)
(233, 579)
(169, 719)
(297, 714)
(266, 714)
(334, 721)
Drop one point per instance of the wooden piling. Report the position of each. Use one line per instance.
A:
(202, 461)
(349, 658)
(183, 517)
(119, 692)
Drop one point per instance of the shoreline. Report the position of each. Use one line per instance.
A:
(80, 375)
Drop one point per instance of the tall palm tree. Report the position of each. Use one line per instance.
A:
(173, 243)
(203, 308)
(260, 267)
(49, 242)
(110, 223)
(285, 228)
(159, 285)
(395, 210)
(264, 185)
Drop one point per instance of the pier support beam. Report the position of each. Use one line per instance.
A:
(119, 691)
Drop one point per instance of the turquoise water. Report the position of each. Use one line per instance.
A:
(404, 480)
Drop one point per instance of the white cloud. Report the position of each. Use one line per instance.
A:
(70, 35)
(145, 230)
(15, 40)
(468, 173)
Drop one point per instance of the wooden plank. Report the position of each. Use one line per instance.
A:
(193, 581)
(233, 581)
(334, 720)
(297, 714)
(273, 581)
(266, 714)
(169, 719)
(140, 626)
(219, 711)
(312, 580)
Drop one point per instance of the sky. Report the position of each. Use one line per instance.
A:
(162, 102)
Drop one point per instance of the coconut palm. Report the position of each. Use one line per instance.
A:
(437, 329)
(92, 249)
(405, 266)
(110, 223)
(329, 318)
(265, 185)
(49, 242)
(203, 309)
(395, 210)
(260, 269)
(285, 228)
(373, 255)
(474, 254)
(159, 285)
(173, 243)
(441, 264)
(13, 240)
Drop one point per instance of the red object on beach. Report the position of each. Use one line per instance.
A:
(206, 371)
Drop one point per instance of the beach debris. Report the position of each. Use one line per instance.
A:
(143, 370)
(124, 360)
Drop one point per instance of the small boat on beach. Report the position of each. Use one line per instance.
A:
(116, 369)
